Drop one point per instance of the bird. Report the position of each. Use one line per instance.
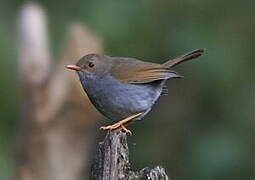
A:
(125, 89)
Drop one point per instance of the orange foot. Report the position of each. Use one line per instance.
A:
(121, 124)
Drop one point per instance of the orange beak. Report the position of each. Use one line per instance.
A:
(73, 67)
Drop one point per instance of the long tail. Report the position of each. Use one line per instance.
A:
(185, 57)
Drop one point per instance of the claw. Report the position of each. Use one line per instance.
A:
(126, 130)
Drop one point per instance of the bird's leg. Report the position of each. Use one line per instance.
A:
(121, 123)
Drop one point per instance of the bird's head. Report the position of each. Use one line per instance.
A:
(92, 65)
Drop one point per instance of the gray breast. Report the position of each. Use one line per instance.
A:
(117, 100)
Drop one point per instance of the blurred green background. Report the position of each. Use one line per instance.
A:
(204, 128)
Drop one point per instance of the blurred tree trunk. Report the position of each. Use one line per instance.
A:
(57, 121)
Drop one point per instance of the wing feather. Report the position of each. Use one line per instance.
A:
(136, 71)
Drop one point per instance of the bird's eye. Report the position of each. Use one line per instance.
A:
(91, 64)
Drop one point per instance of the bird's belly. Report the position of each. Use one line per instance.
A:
(117, 100)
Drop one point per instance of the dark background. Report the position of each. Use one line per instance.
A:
(204, 128)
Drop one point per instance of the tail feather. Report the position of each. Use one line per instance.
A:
(185, 57)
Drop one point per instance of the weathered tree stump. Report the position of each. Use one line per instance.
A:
(112, 161)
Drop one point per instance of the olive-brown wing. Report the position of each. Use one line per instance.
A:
(135, 71)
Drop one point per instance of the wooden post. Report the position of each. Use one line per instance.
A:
(112, 161)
